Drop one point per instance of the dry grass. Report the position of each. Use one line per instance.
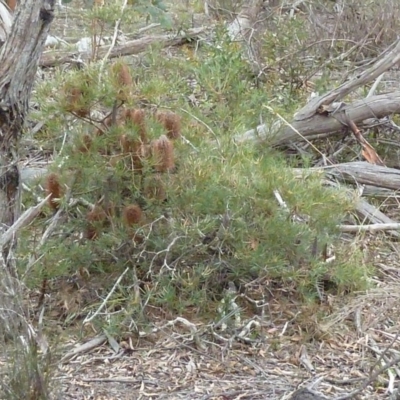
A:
(367, 27)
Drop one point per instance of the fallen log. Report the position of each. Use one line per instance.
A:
(361, 173)
(364, 173)
(326, 115)
(320, 126)
(53, 58)
(368, 212)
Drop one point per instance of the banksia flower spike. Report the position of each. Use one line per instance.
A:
(171, 123)
(132, 214)
(135, 149)
(75, 102)
(53, 188)
(162, 150)
(123, 80)
(137, 118)
(95, 219)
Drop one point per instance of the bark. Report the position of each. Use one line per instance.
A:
(132, 47)
(19, 58)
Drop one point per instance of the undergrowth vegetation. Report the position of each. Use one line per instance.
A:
(182, 212)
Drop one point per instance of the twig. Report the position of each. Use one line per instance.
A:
(114, 39)
(375, 85)
(97, 341)
(369, 228)
(370, 380)
(88, 319)
(206, 125)
(121, 380)
(25, 219)
(287, 123)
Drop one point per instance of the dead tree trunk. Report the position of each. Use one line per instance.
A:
(19, 59)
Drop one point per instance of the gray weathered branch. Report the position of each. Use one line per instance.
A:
(137, 46)
(311, 124)
(364, 173)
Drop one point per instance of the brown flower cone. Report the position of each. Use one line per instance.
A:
(132, 147)
(132, 214)
(137, 117)
(154, 188)
(75, 102)
(163, 152)
(171, 123)
(124, 80)
(94, 219)
(126, 143)
(53, 188)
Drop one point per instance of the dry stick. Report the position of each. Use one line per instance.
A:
(385, 351)
(383, 64)
(92, 344)
(102, 305)
(25, 219)
(132, 47)
(369, 228)
(56, 218)
(370, 380)
(114, 39)
(121, 379)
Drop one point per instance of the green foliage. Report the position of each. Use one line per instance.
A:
(284, 54)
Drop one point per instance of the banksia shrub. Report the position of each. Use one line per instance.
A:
(75, 102)
(162, 151)
(123, 80)
(95, 222)
(132, 214)
(53, 188)
(171, 122)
